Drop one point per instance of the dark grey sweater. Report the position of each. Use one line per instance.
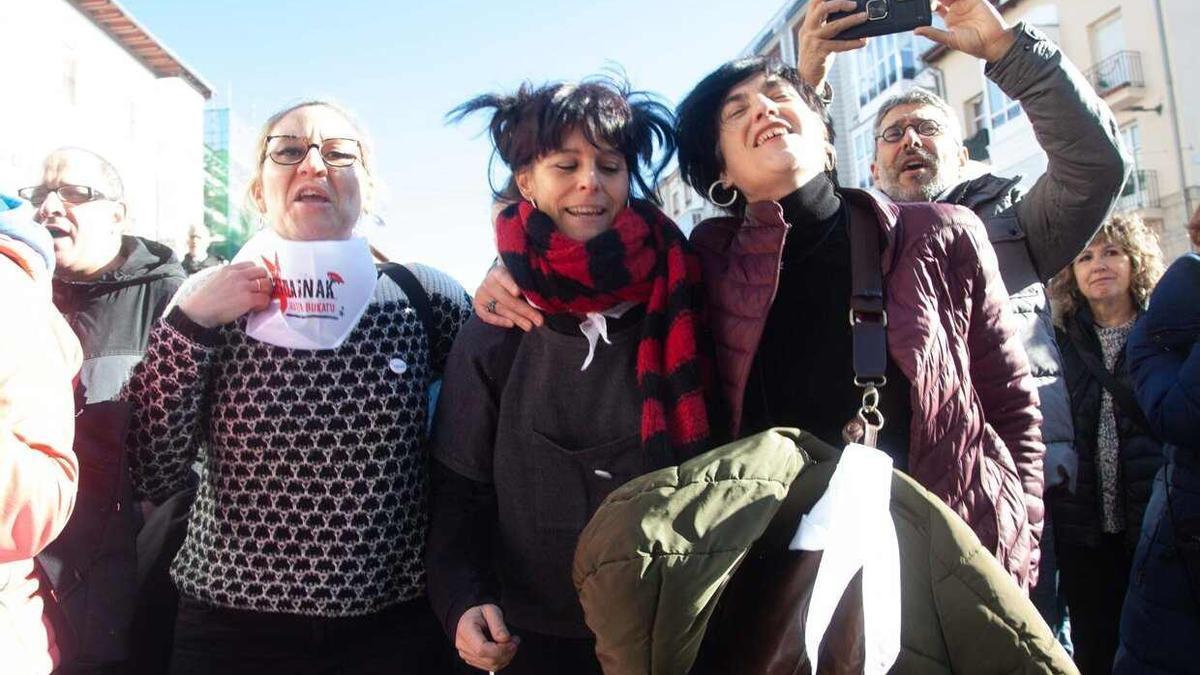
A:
(529, 446)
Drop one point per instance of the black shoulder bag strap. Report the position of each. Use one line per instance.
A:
(868, 325)
(417, 297)
(1121, 393)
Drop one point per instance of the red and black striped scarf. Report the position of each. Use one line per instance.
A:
(642, 258)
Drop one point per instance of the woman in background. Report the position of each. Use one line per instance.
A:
(1099, 298)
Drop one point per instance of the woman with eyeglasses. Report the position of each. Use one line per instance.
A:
(304, 551)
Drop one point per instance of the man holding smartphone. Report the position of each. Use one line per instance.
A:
(919, 156)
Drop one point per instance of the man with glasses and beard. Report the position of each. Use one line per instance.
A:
(111, 288)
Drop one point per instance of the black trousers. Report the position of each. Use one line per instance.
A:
(1094, 580)
(401, 640)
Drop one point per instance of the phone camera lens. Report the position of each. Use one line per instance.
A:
(877, 10)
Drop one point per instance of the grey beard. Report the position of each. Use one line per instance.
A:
(925, 192)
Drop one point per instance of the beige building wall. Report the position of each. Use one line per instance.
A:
(1117, 43)
(70, 83)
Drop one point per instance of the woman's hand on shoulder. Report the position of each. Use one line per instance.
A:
(499, 302)
(483, 640)
(229, 292)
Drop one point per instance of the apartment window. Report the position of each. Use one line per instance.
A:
(976, 114)
(1107, 37)
(864, 154)
(1141, 188)
(1001, 108)
(1131, 135)
(883, 62)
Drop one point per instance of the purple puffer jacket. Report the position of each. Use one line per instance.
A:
(976, 438)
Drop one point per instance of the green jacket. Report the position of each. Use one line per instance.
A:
(652, 563)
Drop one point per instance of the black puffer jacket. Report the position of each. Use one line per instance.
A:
(113, 314)
(1078, 516)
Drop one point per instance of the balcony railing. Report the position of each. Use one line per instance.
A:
(1140, 191)
(1123, 69)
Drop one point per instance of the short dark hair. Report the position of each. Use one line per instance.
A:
(699, 119)
(534, 121)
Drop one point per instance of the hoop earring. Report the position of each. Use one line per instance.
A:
(713, 199)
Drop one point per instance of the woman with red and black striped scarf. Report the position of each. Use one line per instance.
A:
(534, 429)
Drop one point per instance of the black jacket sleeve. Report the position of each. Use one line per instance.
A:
(458, 555)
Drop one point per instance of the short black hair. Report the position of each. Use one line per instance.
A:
(698, 119)
(534, 121)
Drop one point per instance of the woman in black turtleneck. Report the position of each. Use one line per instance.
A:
(960, 403)
(802, 374)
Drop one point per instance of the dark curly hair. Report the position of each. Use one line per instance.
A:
(698, 119)
(534, 121)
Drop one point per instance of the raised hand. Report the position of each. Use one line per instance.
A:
(816, 46)
(973, 27)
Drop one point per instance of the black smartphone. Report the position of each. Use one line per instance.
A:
(885, 17)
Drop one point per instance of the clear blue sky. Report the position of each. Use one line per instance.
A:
(401, 65)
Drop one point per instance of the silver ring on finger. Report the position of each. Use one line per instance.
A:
(491, 306)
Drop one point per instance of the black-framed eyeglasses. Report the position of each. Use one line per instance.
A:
(926, 128)
(69, 194)
(337, 153)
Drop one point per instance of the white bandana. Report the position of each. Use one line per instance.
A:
(321, 289)
(851, 523)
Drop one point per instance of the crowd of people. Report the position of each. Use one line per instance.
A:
(304, 461)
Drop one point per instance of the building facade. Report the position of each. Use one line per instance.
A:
(228, 144)
(84, 73)
(1124, 51)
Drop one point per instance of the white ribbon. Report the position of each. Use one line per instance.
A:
(595, 326)
(321, 289)
(851, 523)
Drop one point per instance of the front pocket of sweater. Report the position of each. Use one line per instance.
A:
(569, 485)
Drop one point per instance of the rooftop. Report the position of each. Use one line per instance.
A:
(115, 20)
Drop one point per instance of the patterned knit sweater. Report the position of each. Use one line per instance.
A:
(312, 496)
